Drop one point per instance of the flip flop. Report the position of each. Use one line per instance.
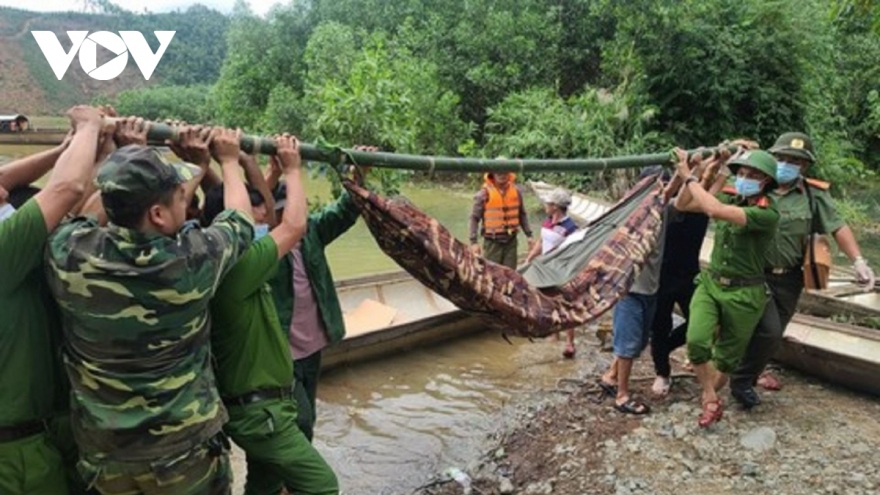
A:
(632, 406)
(609, 389)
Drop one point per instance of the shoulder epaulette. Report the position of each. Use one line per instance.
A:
(818, 184)
(729, 190)
(763, 202)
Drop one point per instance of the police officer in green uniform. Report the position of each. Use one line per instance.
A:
(805, 207)
(730, 295)
(33, 388)
(134, 297)
(252, 358)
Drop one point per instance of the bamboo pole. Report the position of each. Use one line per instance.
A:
(158, 133)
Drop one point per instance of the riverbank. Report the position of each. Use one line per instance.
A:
(809, 438)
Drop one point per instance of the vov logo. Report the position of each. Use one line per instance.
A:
(87, 45)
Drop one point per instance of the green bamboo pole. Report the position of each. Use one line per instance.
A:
(159, 132)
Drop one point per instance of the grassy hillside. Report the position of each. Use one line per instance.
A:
(27, 83)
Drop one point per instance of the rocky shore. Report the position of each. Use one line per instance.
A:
(809, 438)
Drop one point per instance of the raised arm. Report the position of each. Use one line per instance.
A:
(700, 199)
(74, 167)
(225, 148)
(255, 178)
(293, 221)
(29, 169)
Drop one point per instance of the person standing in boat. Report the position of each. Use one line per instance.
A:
(555, 228)
(500, 208)
(730, 295)
(805, 207)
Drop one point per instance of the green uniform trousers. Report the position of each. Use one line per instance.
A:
(733, 312)
(503, 253)
(785, 290)
(278, 454)
(61, 434)
(306, 372)
(32, 465)
(204, 470)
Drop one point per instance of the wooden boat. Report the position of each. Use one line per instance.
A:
(43, 137)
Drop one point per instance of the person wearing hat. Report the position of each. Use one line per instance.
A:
(252, 359)
(499, 207)
(555, 228)
(134, 295)
(34, 391)
(730, 295)
(805, 207)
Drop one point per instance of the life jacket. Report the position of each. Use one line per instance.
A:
(501, 216)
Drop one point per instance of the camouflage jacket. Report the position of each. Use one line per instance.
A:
(135, 310)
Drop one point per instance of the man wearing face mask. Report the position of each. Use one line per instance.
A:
(730, 295)
(134, 295)
(804, 207)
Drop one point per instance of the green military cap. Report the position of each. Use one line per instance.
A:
(795, 144)
(135, 170)
(758, 160)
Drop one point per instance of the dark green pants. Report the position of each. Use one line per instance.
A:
(32, 466)
(306, 373)
(785, 290)
(204, 470)
(732, 312)
(61, 434)
(278, 454)
(503, 253)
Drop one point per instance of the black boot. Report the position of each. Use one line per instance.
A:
(747, 397)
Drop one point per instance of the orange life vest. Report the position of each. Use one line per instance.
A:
(501, 216)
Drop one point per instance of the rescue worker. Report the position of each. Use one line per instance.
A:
(33, 387)
(134, 295)
(805, 207)
(730, 295)
(253, 362)
(499, 207)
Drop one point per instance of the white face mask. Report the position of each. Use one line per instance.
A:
(6, 211)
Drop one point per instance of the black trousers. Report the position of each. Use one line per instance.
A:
(664, 338)
(785, 290)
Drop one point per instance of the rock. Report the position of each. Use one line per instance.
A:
(748, 469)
(499, 454)
(759, 439)
(858, 479)
(679, 431)
(505, 485)
(610, 444)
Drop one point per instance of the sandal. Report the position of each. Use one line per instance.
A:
(709, 416)
(769, 382)
(609, 389)
(632, 406)
(569, 351)
(661, 386)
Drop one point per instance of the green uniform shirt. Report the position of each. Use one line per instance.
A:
(135, 308)
(795, 221)
(739, 250)
(29, 381)
(248, 344)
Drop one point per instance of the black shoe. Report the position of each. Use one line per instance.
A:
(747, 397)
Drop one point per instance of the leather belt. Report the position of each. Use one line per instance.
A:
(258, 396)
(782, 271)
(736, 281)
(21, 430)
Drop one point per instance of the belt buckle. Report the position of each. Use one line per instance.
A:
(778, 271)
(724, 281)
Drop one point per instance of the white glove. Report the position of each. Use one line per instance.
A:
(864, 274)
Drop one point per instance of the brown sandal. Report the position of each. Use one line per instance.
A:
(711, 416)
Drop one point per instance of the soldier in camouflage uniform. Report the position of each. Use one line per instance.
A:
(134, 297)
(33, 389)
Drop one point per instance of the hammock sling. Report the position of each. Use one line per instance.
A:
(573, 285)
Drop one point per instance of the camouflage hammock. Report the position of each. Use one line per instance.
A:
(581, 280)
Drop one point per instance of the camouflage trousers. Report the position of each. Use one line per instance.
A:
(204, 470)
(31, 466)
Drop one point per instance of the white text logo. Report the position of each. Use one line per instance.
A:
(87, 45)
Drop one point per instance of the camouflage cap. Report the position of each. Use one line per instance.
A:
(136, 170)
(796, 144)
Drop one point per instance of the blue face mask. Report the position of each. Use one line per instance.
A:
(746, 187)
(261, 230)
(787, 172)
(6, 212)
